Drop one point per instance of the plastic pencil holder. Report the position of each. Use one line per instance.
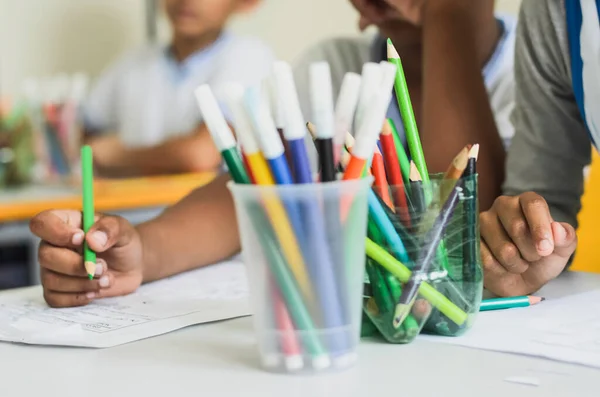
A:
(303, 246)
(448, 289)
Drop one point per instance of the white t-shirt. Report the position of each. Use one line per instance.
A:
(349, 54)
(147, 97)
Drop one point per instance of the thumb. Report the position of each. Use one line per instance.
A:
(565, 239)
(109, 232)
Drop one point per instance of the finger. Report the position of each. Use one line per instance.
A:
(421, 309)
(501, 247)
(514, 223)
(495, 277)
(60, 228)
(120, 284)
(56, 282)
(565, 239)
(539, 221)
(65, 261)
(109, 232)
(60, 260)
(66, 299)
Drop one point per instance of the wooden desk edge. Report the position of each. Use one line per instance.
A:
(147, 197)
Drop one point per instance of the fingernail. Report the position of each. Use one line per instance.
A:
(100, 238)
(77, 238)
(545, 245)
(90, 295)
(561, 234)
(99, 269)
(104, 282)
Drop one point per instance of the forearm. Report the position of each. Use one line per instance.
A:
(456, 108)
(198, 231)
(191, 153)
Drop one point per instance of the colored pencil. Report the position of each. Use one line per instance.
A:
(417, 195)
(344, 111)
(410, 242)
(392, 167)
(408, 116)
(401, 153)
(398, 269)
(458, 165)
(87, 184)
(470, 240)
(509, 303)
(378, 170)
(424, 261)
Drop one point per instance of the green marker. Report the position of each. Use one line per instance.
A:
(87, 184)
(408, 115)
(227, 145)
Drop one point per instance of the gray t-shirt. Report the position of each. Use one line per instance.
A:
(551, 146)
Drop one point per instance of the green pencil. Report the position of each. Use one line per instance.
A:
(408, 115)
(427, 291)
(87, 185)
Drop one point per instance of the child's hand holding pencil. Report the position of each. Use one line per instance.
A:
(64, 278)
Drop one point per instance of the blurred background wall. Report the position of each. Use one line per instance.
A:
(43, 37)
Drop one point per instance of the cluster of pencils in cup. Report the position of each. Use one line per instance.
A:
(310, 230)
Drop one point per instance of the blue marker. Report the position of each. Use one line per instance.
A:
(274, 152)
(320, 264)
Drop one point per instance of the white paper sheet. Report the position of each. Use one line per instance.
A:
(211, 294)
(566, 329)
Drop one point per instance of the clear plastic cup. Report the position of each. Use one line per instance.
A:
(453, 277)
(304, 250)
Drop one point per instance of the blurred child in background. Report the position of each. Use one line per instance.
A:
(458, 61)
(141, 117)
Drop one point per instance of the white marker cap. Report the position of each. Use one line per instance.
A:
(321, 97)
(213, 117)
(287, 97)
(370, 85)
(264, 127)
(366, 141)
(388, 74)
(321, 362)
(276, 109)
(346, 106)
(233, 94)
(294, 363)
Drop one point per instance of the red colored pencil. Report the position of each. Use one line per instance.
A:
(383, 188)
(392, 167)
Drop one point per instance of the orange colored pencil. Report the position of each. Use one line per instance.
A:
(458, 165)
(383, 188)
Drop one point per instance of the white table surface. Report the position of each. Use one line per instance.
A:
(220, 360)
